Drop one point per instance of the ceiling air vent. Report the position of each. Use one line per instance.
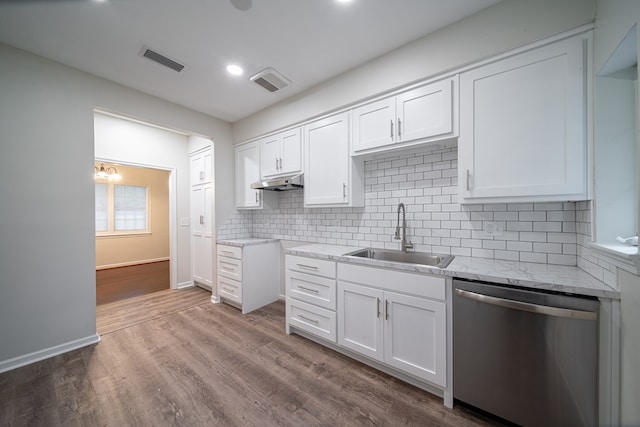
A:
(161, 59)
(271, 80)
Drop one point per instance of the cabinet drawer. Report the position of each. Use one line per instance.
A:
(320, 291)
(230, 251)
(315, 266)
(230, 289)
(230, 268)
(312, 319)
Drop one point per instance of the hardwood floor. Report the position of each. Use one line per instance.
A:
(115, 284)
(205, 364)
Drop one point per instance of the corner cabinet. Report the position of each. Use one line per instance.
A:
(281, 153)
(523, 133)
(332, 178)
(248, 172)
(419, 115)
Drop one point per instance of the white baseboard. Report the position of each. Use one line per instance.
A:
(184, 285)
(215, 299)
(131, 263)
(36, 356)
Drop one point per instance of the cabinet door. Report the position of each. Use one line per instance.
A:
(415, 336)
(247, 172)
(201, 164)
(327, 160)
(425, 112)
(522, 126)
(270, 156)
(291, 159)
(374, 125)
(360, 319)
(201, 234)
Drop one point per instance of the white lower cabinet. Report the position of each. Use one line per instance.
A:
(396, 319)
(311, 296)
(249, 276)
(377, 319)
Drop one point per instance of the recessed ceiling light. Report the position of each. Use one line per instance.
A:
(343, 1)
(236, 70)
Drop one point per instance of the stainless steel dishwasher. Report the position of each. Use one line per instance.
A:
(526, 356)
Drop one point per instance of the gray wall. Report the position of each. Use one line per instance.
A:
(47, 251)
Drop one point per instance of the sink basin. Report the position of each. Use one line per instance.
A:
(421, 258)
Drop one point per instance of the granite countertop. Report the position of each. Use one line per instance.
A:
(526, 274)
(245, 242)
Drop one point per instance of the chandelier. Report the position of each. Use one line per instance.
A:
(106, 173)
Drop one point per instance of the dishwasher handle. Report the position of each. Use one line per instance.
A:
(533, 308)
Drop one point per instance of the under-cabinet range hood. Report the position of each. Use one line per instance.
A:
(283, 183)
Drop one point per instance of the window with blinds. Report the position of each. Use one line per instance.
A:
(121, 209)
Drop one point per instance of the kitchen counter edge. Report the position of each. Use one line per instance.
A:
(245, 242)
(548, 277)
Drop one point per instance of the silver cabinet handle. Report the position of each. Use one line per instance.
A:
(201, 176)
(231, 291)
(378, 306)
(307, 319)
(532, 308)
(227, 252)
(257, 197)
(315, 291)
(201, 219)
(399, 128)
(313, 267)
(391, 129)
(344, 190)
(277, 164)
(468, 177)
(280, 163)
(386, 309)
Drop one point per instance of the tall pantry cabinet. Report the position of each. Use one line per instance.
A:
(201, 163)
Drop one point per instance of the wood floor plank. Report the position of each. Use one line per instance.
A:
(187, 362)
(114, 284)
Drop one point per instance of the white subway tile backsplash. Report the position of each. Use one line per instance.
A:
(427, 183)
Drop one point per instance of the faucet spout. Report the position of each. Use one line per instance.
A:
(404, 245)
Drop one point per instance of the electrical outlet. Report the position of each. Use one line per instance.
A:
(493, 229)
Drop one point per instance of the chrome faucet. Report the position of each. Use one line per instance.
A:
(404, 245)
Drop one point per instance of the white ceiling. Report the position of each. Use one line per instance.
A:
(309, 41)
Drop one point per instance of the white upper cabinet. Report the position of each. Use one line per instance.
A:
(201, 164)
(409, 118)
(523, 126)
(332, 178)
(247, 173)
(282, 153)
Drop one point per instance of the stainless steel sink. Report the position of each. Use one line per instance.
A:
(421, 258)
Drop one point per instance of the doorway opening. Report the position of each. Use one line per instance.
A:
(128, 142)
(132, 232)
